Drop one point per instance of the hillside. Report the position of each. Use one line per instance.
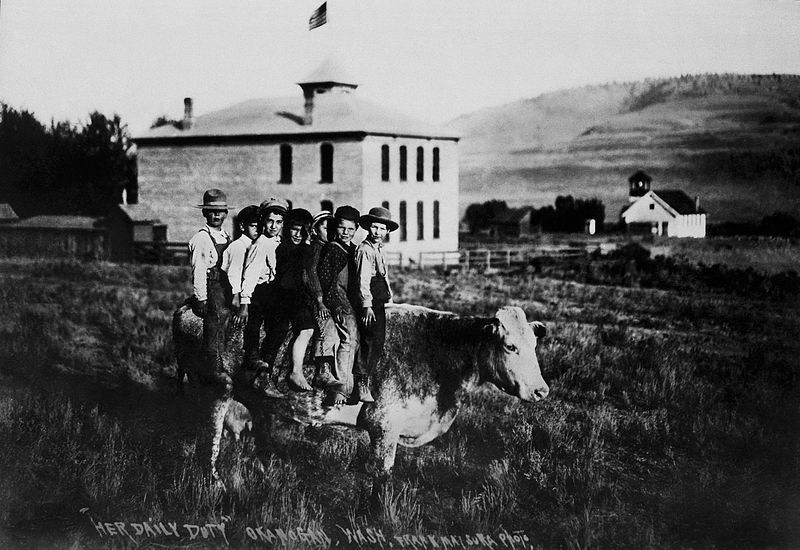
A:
(733, 140)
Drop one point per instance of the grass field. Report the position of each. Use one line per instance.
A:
(672, 423)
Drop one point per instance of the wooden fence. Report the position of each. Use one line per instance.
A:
(177, 253)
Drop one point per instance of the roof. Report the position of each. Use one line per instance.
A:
(330, 71)
(139, 213)
(678, 201)
(7, 213)
(510, 216)
(59, 222)
(333, 113)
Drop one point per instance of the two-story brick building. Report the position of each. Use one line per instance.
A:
(323, 149)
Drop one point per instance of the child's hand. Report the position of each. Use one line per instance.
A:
(240, 317)
(368, 317)
(322, 311)
(199, 308)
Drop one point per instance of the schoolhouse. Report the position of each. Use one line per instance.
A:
(320, 149)
(665, 212)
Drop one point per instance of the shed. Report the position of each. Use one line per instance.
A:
(514, 222)
(128, 224)
(54, 237)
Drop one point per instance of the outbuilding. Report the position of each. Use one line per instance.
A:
(666, 212)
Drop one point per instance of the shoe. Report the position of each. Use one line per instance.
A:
(263, 382)
(361, 391)
(323, 377)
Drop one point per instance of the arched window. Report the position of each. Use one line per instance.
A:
(326, 205)
(403, 220)
(420, 221)
(286, 164)
(403, 163)
(326, 163)
(385, 204)
(420, 164)
(384, 163)
(435, 164)
(435, 219)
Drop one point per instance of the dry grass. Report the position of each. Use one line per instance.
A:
(672, 422)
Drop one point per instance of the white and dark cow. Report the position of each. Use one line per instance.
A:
(432, 359)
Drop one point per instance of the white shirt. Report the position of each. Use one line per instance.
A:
(233, 262)
(203, 256)
(259, 265)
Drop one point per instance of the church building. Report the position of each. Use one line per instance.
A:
(322, 149)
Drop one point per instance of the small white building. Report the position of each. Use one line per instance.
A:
(665, 212)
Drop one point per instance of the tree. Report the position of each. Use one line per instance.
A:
(478, 216)
(66, 168)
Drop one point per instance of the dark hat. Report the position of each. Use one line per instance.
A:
(347, 212)
(214, 199)
(299, 216)
(273, 205)
(379, 215)
(247, 215)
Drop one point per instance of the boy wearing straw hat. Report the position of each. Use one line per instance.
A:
(206, 247)
(372, 296)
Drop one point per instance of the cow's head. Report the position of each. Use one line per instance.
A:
(514, 367)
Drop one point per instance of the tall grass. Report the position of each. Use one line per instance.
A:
(672, 422)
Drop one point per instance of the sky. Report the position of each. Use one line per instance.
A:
(433, 59)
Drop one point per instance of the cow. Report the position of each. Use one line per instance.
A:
(432, 359)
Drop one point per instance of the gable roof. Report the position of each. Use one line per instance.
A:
(510, 216)
(7, 213)
(139, 213)
(333, 113)
(678, 201)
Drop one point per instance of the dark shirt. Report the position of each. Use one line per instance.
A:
(289, 265)
(336, 261)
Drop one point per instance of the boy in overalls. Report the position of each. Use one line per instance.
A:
(373, 293)
(206, 250)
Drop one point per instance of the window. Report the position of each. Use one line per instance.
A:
(326, 163)
(420, 221)
(384, 163)
(652, 206)
(420, 164)
(286, 164)
(403, 163)
(326, 205)
(403, 225)
(435, 164)
(385, 204)
(435, 219)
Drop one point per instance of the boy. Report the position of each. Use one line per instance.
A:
(258, 293)
(206, 247)
(211, 288)
(233, 260)
(334, 271)
(323, 376)
(374, 293)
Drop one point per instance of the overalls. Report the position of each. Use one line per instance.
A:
(218, 300)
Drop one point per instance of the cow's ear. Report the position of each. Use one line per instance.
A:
(539, 330)
(494, 328)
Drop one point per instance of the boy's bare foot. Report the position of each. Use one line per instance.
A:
(334, 398)
(298, 382)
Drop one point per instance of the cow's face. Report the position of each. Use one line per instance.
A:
(514, 366)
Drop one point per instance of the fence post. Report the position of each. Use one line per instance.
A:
(508, 257)
(444, 260)
(419, 265)
(488, 258)
(466, 258)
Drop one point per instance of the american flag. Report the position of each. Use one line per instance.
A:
(319, 17)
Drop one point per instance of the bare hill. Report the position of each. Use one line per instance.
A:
(733, 140)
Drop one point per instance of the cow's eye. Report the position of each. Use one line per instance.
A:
(512, 348)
